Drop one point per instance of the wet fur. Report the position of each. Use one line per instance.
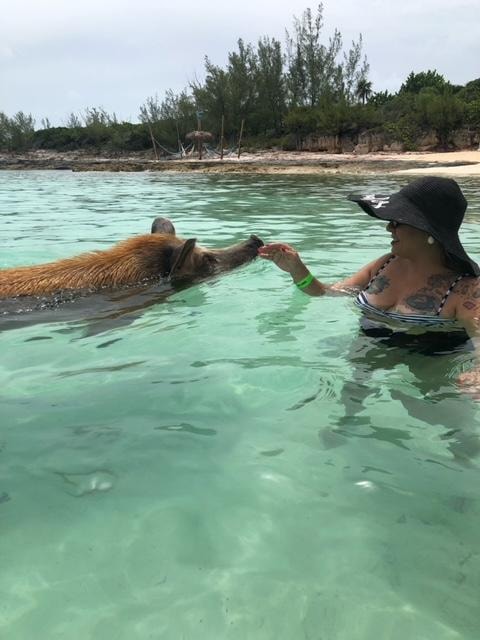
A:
(129, 262)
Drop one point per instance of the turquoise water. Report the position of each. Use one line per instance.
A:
(234, 461)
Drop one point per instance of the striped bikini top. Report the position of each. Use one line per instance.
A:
(393, 319)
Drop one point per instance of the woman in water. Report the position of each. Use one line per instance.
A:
(426, 283)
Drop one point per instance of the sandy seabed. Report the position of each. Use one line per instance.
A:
(454, 163)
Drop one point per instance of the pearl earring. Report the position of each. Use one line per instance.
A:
(430, 240)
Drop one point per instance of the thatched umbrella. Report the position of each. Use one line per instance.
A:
(199, 137)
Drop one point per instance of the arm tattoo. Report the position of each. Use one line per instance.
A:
(379, 284)
(470, 291)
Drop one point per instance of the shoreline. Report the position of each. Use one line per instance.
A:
(449, 163)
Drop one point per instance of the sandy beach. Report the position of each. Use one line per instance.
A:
(460, 163)
(454, 163)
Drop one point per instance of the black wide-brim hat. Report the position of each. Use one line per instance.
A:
(435, 205)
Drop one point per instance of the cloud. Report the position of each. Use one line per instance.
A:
(6, 52)
(59, 56)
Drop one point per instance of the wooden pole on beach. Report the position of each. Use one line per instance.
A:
(178, 140)
(200, 139)
(221, 137)
(240, 137)
(153, 142)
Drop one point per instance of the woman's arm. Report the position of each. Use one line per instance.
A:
(468, 313)
(287, 259)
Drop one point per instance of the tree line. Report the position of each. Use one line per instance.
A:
(282, 92)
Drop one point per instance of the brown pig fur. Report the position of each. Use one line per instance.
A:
(130, 262)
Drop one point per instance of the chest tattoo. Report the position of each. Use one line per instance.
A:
(423, 302)
(427, 299)
(379, 284)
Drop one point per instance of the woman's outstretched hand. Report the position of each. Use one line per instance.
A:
(284, 256)
(287, 259)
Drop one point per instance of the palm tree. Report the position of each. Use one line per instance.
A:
(364, 90)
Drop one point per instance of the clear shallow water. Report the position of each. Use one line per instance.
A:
(205, 469)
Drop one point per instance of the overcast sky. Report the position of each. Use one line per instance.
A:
(62, 56)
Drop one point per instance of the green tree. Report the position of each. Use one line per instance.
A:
(472, 114)
(4, 130)
(301, 121)
(97, 116)
(471, 91)
(312, 66)
(354, 73)
(178, 108)
(242, 72)
(16, 133)
(399, 118)
(214, 96)
(150, 110)
(442, 112)
(169, 120)
(415, 82)
(380, 98)
(270, 80)
(364, 90)
(73, 121)
(296, 82)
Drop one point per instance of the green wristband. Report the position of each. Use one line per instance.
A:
(306, 282)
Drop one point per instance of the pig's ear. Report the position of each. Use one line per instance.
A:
(181, 254)
(163, 225)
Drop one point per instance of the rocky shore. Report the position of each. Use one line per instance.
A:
(271, 162)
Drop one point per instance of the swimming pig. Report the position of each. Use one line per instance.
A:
(138, 260)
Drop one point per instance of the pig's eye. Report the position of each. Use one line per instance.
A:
(210, 260)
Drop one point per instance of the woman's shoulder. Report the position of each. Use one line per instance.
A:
(375, 267)
(468, 285)
(363, 276)
(379, 263)
(466, 293)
